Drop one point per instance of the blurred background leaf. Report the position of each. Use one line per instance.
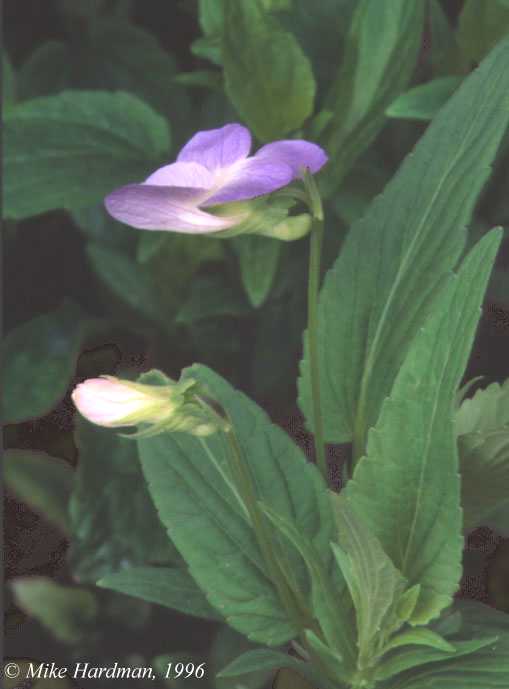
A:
(258, 259)
(78, 145)
(267, 76)
(114, 523)
(40, 357)
(42, 481)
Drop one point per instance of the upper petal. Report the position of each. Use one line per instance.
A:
(217, 148)
(250, 178)
(189, 174)
(153, 207)
(296, 153)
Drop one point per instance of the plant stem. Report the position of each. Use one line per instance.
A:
(294, 608)
(315, 254)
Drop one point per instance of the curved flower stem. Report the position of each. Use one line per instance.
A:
(315, 254)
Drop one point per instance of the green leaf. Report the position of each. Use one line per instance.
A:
(113, 55)
(393, 260)
(258, 259)
(442, 39)
(487, 411)
(481, 659)
(204, 78)
(424, 101)
(277, 5)
(42, 481)
(320, 29)
(185, 254)
(171, 587)
(39, 361)
(267, 76)
(365, 181)
(374, 583)
(100, 228)
(188, 479)
(71, 149)
(67, 612)
(482, 427)
(408, 482)
(8, 82)
(330, 607)
(380, 56)
(211, 16)
(227, 645)
(329, 659)
(481, 26)
(208, 48)
(47, 70)
(211, 296)
(126, 279)
(421, 636)
(266, 659)
(122, 56)
(414, 657)
(114, 523)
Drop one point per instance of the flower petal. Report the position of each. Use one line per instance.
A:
(296, 153)
(191, 175)
(152, 207)
(217, 148)
(250, 178)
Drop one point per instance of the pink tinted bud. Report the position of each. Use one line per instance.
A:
(111, 402)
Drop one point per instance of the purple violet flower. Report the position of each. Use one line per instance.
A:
(213, 168)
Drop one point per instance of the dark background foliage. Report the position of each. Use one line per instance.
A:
(48, 265)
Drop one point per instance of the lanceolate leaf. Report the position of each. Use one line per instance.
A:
(378, 293)
(380, 57)
(480, 662)
(70, 149)
(482, 425)
(266, 659)
(424, 101)
(171, 587)
(407, 488)
(414, 657)
(190, 483)
(267, 76)
(374, 582)
(330, 606)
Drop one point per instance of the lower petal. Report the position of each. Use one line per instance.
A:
(149, 207)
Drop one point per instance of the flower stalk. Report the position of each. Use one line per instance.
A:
(315, 254)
